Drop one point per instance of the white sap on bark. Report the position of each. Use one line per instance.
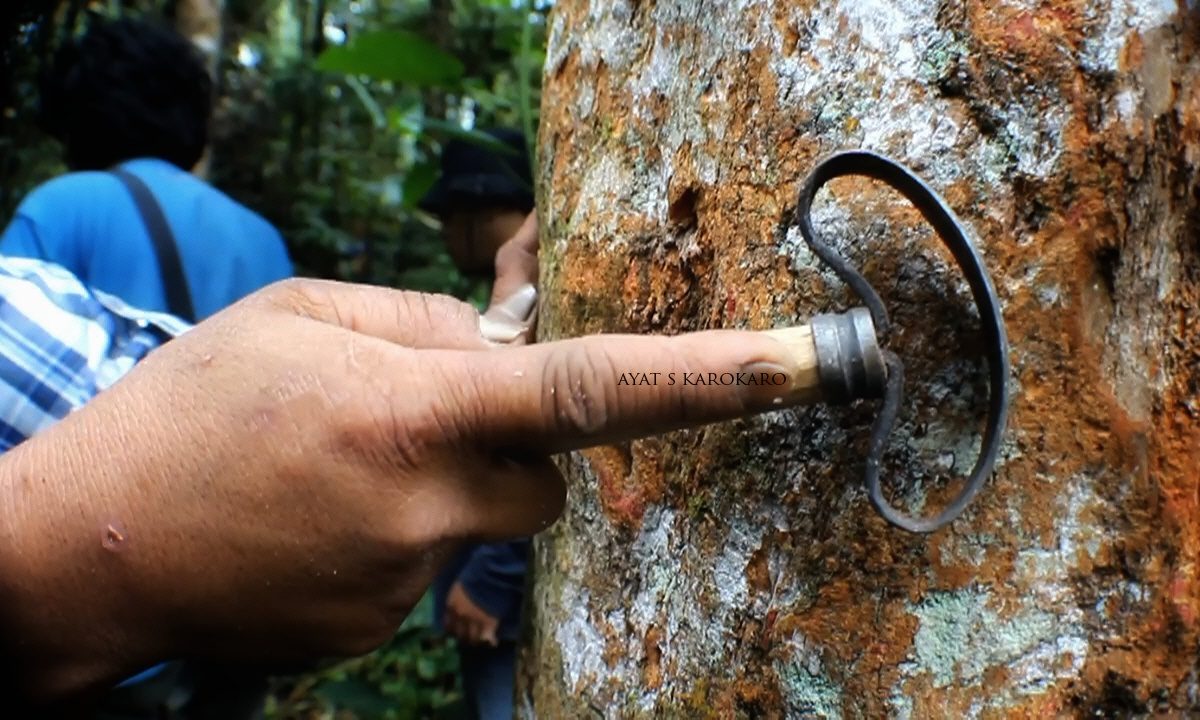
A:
(657, 616)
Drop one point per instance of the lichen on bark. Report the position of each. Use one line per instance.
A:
(736, 570)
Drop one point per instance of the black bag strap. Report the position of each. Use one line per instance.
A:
(175, 285)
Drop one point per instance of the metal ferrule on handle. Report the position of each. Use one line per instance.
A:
(849, 360)
(838, 357)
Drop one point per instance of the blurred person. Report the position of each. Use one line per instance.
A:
(130, 102)
(482, 197)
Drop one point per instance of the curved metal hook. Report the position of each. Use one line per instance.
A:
(950, 230)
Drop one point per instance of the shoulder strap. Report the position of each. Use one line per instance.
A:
(175, 285)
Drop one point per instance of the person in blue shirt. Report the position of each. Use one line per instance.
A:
(135, 96)
(482, 197)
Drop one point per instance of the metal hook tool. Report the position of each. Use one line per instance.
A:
(850, 361)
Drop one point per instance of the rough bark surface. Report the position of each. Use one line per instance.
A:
(737, 570)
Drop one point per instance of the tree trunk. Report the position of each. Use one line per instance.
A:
(738, 570)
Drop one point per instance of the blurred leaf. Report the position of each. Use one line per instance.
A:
(406, 119)
(393, 55)
(427, 668)
(429, 279)
(418, 182)
(357, 696)
(476, 137)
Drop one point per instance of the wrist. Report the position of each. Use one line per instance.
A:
(70, 623)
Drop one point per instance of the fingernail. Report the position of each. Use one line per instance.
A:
(520, 304)
(499, 331)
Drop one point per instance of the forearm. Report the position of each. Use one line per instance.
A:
(71, 621)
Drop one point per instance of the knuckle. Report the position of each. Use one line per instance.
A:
(437, 311)
(291, 290)
(358, 434)
(511, 258)
(445, 415)
(575, 394)
(427, 304)
(305, 297)
(408, 443)
(365, 427)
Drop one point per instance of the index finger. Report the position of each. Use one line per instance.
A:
(572, 394)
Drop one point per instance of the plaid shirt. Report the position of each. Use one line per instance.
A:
(62, 343)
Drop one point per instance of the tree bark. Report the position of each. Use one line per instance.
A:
(738, 570)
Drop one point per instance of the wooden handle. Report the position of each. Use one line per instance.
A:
(837, 358)
(805, 388)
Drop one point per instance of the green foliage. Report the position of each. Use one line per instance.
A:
(333, 143)
(413, 676)
(337, 143)
(395, 55)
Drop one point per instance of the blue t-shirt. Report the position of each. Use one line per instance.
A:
(88, 223)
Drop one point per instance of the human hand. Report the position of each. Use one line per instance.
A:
(512, 313)
(285, 480)
(466, 621)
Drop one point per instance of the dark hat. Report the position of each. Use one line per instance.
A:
(479, 174)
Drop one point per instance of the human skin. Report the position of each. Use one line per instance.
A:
(511, 314)
(467, 621)
(509, 317)
(285, 480)
(475, 235)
